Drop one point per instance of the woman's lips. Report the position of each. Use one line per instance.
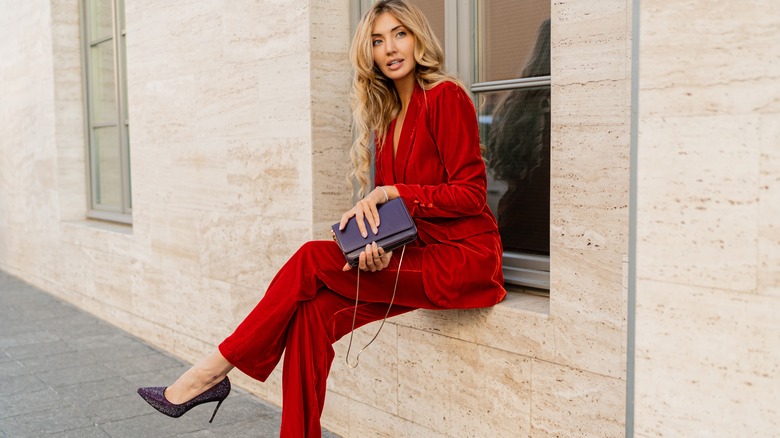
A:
(395, 64)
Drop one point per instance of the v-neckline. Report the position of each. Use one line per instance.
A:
(398, 154)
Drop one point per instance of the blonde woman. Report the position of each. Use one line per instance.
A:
(428, 154)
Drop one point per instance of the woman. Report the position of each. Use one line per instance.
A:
(428, 154)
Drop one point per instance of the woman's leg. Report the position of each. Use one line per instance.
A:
(288, 316)
(316, 325)
(256, 346)
(203, 375)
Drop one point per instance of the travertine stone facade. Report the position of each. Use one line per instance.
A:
(239, 122)
(708, 245)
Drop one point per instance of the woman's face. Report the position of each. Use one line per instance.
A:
(393, 47)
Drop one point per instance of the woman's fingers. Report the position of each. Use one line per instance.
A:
(371, 214)
(345, 218)
(373, 258)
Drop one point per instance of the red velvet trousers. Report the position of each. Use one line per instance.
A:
(308, 306)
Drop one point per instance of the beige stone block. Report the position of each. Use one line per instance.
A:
(274, 384)
(590, 64)
(588, 309)
(443, 322)
(590, 40)
(331, 139)
(375, 380)
(596, 105)
(270, 178)
(247, 250)
(694, 70)
(335, 415)
(204, 309)
(156, 290)
(160, 111)
(698, 195)
(589, 192)
(490, 391)
(424, 387)
(707, 362)
(173, 239)
(769, 207)
(285, 98)
(265, 29)
(461, 389)
(368, 421)
(329, 26)
(175, 38)
(520, 324)
(568, 402)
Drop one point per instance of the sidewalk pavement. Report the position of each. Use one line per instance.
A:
(65, 373)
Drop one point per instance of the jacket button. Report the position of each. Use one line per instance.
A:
(430, 205)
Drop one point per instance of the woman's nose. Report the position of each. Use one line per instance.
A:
(390, 47)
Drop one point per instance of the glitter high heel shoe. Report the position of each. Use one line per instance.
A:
(155, 396)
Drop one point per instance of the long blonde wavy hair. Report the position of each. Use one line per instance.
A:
(375, 101)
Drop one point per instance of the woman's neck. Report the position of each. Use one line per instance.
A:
(405, 88)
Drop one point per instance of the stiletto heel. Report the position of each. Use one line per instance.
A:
(155, 396)
(215, 410)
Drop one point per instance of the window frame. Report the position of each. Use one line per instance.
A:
(95, 210)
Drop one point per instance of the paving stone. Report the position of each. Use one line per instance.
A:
(74, 375)
(20, 384)
(12, 339)
(198, 434)
(39, 349)
(84, 432)
(12, 368)
(58, 361)
(87, 392)
(117, 408)
(149, 363)
(45, 422)
(151, 425)
(252, 428)
(29, 402)
(116, 349)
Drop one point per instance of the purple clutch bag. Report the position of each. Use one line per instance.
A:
(396, 229)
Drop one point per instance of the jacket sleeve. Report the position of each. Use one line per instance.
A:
(452, 122)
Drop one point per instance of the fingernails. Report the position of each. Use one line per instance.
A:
(365, 234)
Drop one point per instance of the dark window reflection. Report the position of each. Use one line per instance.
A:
(515, 129)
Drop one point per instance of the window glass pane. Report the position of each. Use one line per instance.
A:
(515, 129)
(434, 12)
(108, 172)
(100, 19)
(103, 86)
(509, 33)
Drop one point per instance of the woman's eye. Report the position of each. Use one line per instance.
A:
(401, 34)
(376, 42)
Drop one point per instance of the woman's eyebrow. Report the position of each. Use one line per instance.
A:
(391, 30)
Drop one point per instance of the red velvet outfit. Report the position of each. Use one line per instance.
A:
(455, 263)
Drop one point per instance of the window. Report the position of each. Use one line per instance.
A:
(511, 85)
(105, 97)
(501, 50)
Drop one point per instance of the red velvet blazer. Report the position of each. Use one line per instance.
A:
(439, 172)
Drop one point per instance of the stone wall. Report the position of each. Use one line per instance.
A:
(708, 243)
(239, 123)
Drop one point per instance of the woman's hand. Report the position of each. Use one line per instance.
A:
(372, 259)
(365, 208)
